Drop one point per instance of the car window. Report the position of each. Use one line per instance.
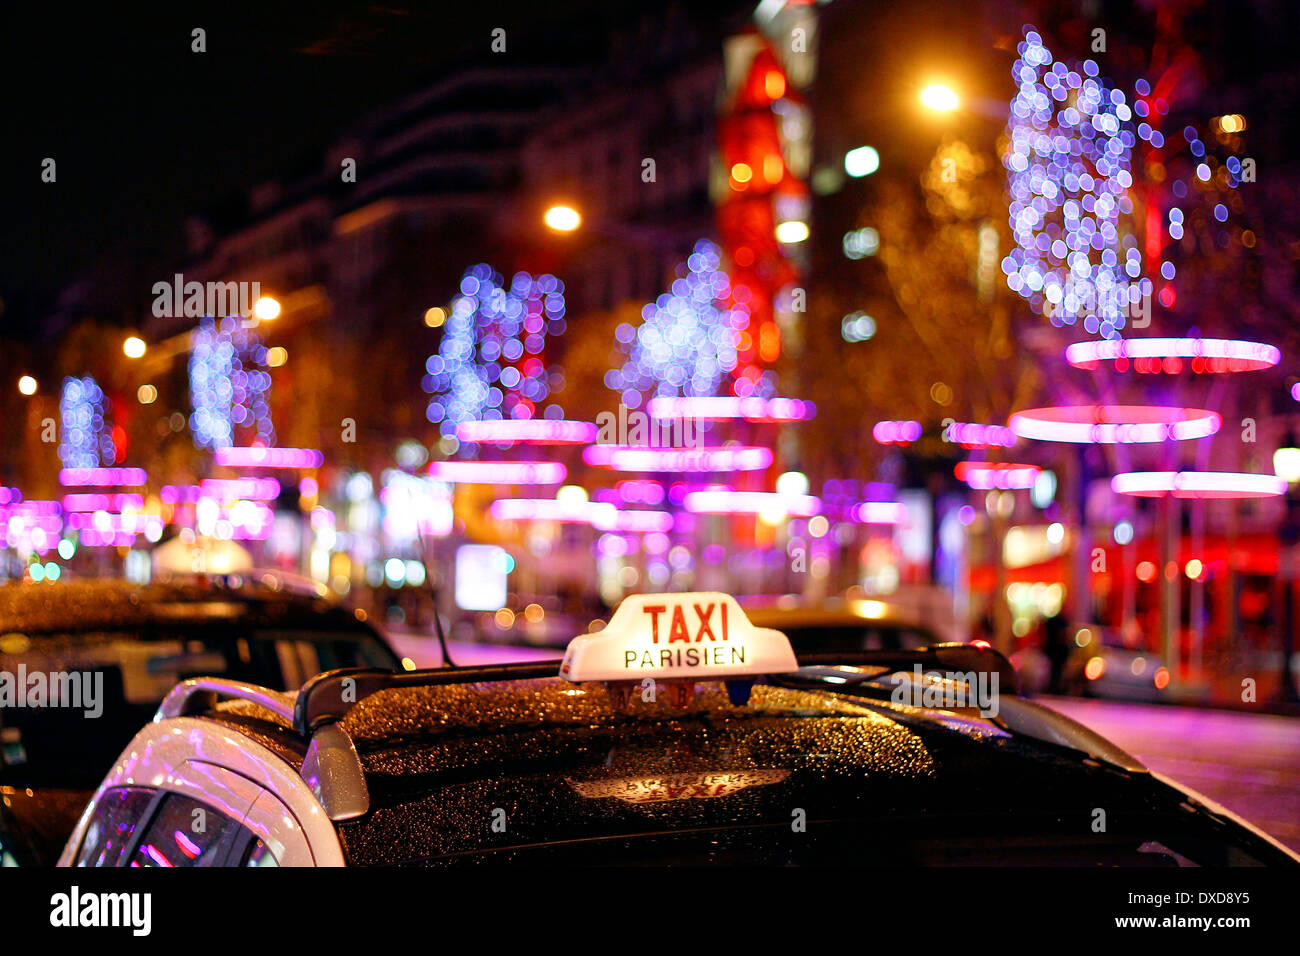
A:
(184, 832)
(116, 817)
(259, 854)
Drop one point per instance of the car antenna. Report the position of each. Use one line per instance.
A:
(429, 575)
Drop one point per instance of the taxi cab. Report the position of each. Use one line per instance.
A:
(680, 734)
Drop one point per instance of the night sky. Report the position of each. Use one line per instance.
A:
(145, 132)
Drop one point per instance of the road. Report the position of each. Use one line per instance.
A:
(1250, 763)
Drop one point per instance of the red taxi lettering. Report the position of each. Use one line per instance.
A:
(704, 622)
(654, 610)
(678, 632)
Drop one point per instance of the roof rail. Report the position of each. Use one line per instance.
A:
(329, 696)
(201, 693)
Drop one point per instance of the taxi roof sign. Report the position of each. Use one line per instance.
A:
(703, 635)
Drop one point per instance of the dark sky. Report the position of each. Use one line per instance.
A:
(144, 131)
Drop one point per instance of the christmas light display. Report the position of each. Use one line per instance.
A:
(1069, 166)
(84, 440)
(687, 341)
(491, 362)
(228, 385)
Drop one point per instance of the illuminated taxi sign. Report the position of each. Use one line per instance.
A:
(702, 635)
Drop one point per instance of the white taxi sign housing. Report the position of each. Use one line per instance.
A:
(703, 635)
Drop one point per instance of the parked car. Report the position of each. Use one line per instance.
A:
(84, 663)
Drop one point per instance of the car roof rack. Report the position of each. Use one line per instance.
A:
(198, 694)
(333, 769)
(329, 696)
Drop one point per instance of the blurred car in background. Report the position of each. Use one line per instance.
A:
(1101, 664)
(126, 646)
(844, 624)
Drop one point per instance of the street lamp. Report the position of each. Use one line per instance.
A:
(266, 308)
(563, 218)
(862, 161)
(940, 98)
(1286, 460)
(27, 385)
(134, 347)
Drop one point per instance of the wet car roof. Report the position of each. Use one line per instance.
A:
(566, 768)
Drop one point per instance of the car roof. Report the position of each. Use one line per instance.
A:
(99, 604)
(571, 766)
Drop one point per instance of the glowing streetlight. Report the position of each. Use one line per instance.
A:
(27, 385)
(792, 230)
(563, 218)
(134, 347)
(266, 308)
(1286, 460)
(940, 98)
(862, 161)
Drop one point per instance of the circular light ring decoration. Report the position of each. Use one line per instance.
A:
(498, 472)
(1197, 484)
(527, 431)
(103, 477)
(1173, 355)
(752, 502)
(554, 509)
(896, 433)
(878, 512)
(722, 407)
(1114, 424)
(973, 435)
(257, 456)
(636, 522)
(986, 475)
(641, 458)
(102, 502)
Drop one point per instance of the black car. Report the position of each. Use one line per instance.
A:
(680, 734)
(84, 663)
